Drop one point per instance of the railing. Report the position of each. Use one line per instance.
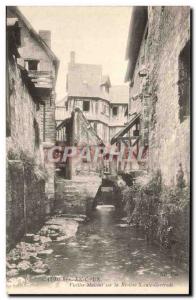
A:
(61, 134)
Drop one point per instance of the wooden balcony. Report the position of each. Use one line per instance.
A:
(41, 79)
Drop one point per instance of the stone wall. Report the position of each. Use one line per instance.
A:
(25, 190)
(31, 127)
(169, 139)
(25, 209)
(24, 114)
(76, 196)
(15, 221)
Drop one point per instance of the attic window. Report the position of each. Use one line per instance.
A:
(114, 110)
(32, 65)
(86, 105)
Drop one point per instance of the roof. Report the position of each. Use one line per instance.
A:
(85, 80)
(124, 130)
(15, 11)
(119, 94)
(136, 30)
(13, 36)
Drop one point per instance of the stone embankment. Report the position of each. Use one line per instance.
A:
(76, 196)
(28, 257)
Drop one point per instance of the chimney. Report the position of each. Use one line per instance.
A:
(72, 57)
(46, 37)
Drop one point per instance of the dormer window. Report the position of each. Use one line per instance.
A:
(32, 65)
(86, 105)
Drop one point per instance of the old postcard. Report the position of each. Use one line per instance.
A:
(98, 150)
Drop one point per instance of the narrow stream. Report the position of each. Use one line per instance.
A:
(109, 250)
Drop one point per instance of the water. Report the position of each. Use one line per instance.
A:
(107, 249)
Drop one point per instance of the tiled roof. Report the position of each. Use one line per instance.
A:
(84, 80)
(119, 94)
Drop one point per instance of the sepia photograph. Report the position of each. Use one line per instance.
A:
(98, 150)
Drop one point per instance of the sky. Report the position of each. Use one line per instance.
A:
(98, 35)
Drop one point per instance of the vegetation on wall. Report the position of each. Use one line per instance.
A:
(29, 163)
(161, 212)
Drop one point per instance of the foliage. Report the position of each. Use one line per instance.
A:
(29, 162)
(162, 212)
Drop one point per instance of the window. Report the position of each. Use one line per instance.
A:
(95, 126)
(36, 132)
(10, 88)
(32, 65)
(184, 83)
(114, 110)
(126, 111)
(86, 105)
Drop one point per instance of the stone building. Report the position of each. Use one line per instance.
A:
(158, 72)
(103, 105)
(88, 90)
(30, 124)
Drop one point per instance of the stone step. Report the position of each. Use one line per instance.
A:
(70, 186)
(70, 183)
(71, 195)
(74, 189)
(65, 192)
